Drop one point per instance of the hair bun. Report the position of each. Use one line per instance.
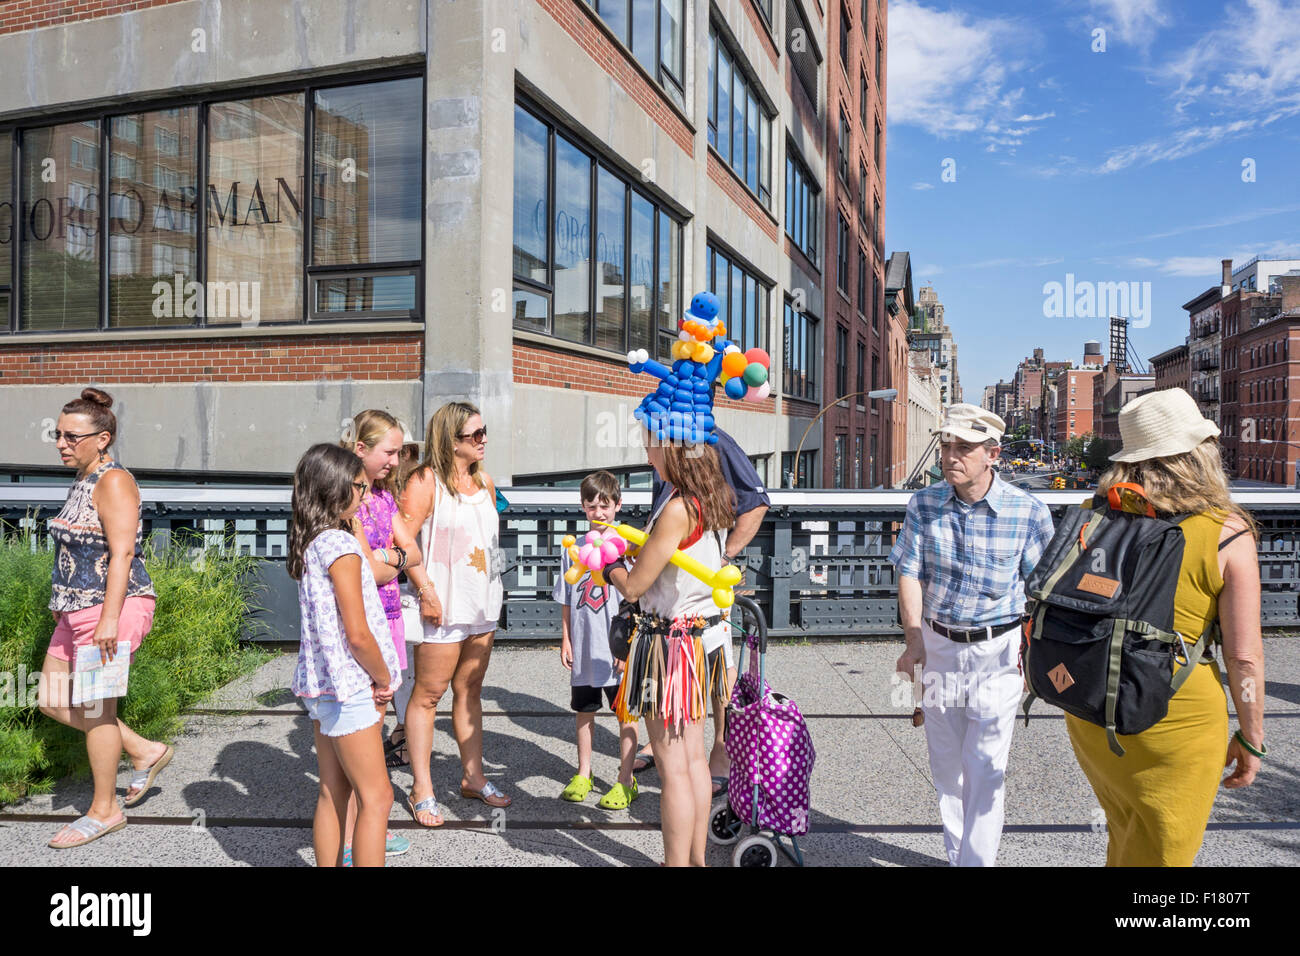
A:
(97, 396)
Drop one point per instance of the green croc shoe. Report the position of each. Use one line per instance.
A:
(577, 789)
(619, 796)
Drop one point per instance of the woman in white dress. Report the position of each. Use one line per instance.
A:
(451, 502)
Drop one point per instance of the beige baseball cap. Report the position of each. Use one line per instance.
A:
(1160, 424)
(966, 422)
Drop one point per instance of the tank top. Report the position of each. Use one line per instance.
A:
(1196, 599)
(462, 558)
(81, 549)
(376, 515)
(675, 592)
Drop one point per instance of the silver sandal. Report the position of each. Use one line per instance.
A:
(429, 806)
(142, 780)
(89, 829)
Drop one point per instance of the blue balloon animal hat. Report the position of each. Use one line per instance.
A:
(681, 408)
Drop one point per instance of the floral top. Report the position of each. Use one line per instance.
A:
(376, 516)
(81, 550)
(326, 667)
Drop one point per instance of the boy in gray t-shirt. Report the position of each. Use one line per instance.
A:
(584, 649)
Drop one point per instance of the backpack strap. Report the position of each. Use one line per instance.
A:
(1112, 683)
(1071, 556)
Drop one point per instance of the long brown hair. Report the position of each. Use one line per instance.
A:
(696, 473)
(440, 445)
(369, 428)
(322, 491)
(1191, 482)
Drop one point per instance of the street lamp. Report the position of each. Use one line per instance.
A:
(882, 394)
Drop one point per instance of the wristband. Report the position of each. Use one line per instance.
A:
(401, 557)
(1261, 752)
(382, 555)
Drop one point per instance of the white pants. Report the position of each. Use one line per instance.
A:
(970, 694)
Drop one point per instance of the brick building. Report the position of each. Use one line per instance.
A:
(430, 207)
(865, 440)
(1172, 368)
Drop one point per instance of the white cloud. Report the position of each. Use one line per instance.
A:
(1135, 22)
(1182, 143)
(950, 72)
(1209, 268)
(922, 185)
(1034, 119)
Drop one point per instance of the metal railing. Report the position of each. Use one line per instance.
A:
(819, 565)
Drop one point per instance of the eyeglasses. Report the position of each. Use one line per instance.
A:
(70, 438)
(477, 436)
(361, 487)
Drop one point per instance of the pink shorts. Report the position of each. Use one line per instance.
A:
(74, 629)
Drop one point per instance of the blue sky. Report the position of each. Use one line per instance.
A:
(1117, 166)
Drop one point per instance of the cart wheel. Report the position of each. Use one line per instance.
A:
(724, 825)
(754, 851)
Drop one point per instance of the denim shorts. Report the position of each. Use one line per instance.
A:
(338, 719)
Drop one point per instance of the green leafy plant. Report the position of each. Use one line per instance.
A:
(193, 648)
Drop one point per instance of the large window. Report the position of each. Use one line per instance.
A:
(799, 370)
(860, 386)
(596, 261)
(654, 30)
(743, 300)
(842, 145)
(841, 362)
(6, 223)
(805, 58)
(837, 476)
(740, 124)
(842, 253)
(800, 476)
(172, 247)
(862, 281)
(802, 198)
(857, 461)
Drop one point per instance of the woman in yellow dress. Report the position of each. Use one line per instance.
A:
(1158, 796)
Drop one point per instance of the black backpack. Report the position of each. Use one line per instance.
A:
(1099, 639)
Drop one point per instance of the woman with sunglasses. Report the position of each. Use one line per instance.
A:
(101, 595)
(451, 502)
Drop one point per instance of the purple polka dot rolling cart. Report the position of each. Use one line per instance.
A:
(767, 798)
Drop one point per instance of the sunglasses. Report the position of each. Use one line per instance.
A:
(477, 436)
(70, 438)
(361, 487)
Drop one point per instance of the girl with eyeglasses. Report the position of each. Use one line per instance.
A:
(101, 595)
(347, 667)
(451, 501)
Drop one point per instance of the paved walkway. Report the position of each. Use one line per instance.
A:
(242, 787)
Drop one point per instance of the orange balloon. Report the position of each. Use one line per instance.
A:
(720, 329)
(733, 363)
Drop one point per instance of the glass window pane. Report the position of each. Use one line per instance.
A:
(751, 312)
(751, 144)
(670, 239)
(614, 13)
(60, 252)
(530, 311)
(367, 173)
(572, 242)
(254, 207)
(611, 277)
(722, 288)
(383, 293)
(152, 226)
(713, 87)
(641, 273)
(644, 13)
(765, 153)
(737, 322)
(670, 35)
(724, 103)
(531, 216)
(738, 99)
(6, 219)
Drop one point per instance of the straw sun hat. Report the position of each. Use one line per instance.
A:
(1160, 424)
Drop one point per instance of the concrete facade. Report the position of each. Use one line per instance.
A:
(554, 407)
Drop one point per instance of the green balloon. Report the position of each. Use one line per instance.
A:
(755, 375)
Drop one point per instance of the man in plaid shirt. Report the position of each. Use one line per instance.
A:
(964, 550)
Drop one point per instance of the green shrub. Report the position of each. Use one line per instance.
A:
(193, 648)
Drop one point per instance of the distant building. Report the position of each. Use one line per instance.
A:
(1171, 368)
(928, 330)
(1259, 275)
(924, 410)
